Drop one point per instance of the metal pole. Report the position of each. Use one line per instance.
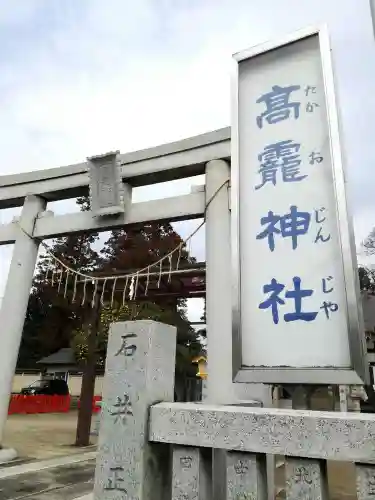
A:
(372, 10)
(16, 299)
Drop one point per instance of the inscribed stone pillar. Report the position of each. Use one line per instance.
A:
(246, 476)
(140, 370)
(365, 481)
(191, 473)
(306, 479)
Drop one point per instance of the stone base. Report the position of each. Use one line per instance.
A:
(7, 454)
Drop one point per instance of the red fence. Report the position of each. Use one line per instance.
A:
(95, 407)
(38, 404)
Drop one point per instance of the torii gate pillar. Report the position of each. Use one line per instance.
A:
(221, 389)
(14, 305)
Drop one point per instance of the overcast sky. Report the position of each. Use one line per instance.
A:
(78, 78)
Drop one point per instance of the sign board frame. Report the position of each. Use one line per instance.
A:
(357, 372)
(106, 188)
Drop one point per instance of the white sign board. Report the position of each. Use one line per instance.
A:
(296, 312)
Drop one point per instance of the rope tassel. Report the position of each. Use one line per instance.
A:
(61, 267)
(94, 294)
(84, 293)
(75, 289)
(124, 292)
(66, 283)
(103, 290)
(113, 291)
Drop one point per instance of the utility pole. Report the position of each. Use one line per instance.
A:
(372, 9)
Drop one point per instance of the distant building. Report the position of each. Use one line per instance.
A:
(59, 364)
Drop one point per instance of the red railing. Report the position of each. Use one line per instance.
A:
(95, 407)
(38, 404)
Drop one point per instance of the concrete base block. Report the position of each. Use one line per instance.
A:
(7, 455)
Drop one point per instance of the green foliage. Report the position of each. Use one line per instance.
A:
(366, 279)
(51, 317)
(369, 243)
(188, 345)
(54, 322)
(366, 274)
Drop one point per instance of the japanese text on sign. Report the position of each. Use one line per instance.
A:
(284, 156)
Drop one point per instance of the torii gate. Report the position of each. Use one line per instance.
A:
(204, 154)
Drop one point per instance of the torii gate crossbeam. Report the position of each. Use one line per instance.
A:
(207, 153)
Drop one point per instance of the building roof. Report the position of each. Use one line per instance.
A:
(62, 357)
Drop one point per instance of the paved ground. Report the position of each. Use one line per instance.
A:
(342, 481)
(66, 482)
(43, 435)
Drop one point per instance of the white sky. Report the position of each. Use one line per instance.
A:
(82, 78)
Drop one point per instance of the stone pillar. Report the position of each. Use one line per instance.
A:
(343, 393)
(357, 394)
(15, 301)
(191, 473)
(218, 285)
(140, 371)
(365, 474)
(246, 476)
(220, 388)
(306, 478)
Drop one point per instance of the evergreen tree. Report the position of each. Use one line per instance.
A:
(51, 317)
(366, 279)
(137, 248)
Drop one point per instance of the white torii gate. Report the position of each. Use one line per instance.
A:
(204, 154)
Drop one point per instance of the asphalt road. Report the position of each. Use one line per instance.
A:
(61, 483)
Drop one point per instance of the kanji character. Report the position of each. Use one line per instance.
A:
(125, 349)
(278, 106)
(123, 408)
(282, 156)
(274, 289)
(115, 483)
(303, 475)
(297, 295)
(291, 225)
